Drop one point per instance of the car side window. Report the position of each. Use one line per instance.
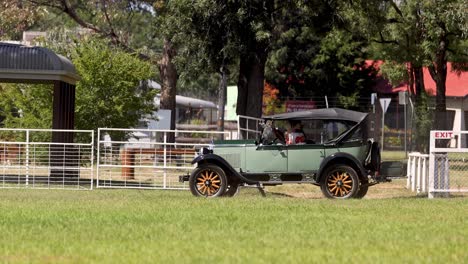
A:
(312, 129)
(322, 131)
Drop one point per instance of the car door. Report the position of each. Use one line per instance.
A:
(305, 158)
(266, 159)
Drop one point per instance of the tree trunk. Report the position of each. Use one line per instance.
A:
(438, 71)
(250, 85)
(168, 73)
(222, 99)
(419, 87)
(421, 110)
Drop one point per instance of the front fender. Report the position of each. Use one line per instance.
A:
(342, 158)
(222, 163)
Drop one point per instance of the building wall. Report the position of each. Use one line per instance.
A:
(460, 106)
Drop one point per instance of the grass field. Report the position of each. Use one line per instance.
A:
(393, 156)
(132, 226)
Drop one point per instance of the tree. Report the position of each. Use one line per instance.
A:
(446, 26)
(245, 32)
(132, 26)
(414, 34)
(106, 96)
(332, 66)
(421, 33)
(270, 100)
(15, 17)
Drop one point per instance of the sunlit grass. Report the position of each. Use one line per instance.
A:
(131, 226)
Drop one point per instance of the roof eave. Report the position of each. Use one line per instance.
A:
(40, 76)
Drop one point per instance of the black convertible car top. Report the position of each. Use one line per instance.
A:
(324, 113)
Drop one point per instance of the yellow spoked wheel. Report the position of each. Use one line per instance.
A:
(208, 181)
(340, 181)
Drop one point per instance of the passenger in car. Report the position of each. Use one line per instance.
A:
(295, 135)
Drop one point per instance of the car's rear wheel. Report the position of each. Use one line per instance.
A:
(340, 181)
(208, 180)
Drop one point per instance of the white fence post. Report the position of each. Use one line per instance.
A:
(408, 171)
(165, 161)
(27, 158)
(416, 172)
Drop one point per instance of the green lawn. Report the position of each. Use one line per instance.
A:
(393, 155)
(131, 226)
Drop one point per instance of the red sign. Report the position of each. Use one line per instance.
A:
(443, 135)
(294, 106)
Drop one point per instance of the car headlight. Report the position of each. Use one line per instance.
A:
(205, 150)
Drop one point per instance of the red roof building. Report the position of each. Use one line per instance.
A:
(456, 85)
(456, 93)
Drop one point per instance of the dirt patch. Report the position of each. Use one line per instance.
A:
(394, 189)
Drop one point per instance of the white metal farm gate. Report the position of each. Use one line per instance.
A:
(248, 127)
(147, 160)
(28, 159)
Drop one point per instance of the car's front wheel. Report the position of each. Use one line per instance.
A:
(208, 180)
(340, 181)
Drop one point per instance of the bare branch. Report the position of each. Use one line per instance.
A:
(112, 33)
(46, 3)
(383, 41)
(395, 7)
(71, 12)
(68, 9)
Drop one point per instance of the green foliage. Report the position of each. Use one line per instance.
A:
(309, 66)
(349, 101)
(448, 19)
(107, 94)
(26, 105)
(395, 72)
(423, 121)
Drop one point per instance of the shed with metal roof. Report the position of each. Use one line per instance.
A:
(24, 64)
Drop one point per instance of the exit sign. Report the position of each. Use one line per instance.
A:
(443, 135)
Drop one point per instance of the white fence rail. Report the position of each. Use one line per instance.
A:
(417, 172)
(148, 160)
(448, 163)
(28, 159)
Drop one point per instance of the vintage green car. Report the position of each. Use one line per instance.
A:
(331, 148)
